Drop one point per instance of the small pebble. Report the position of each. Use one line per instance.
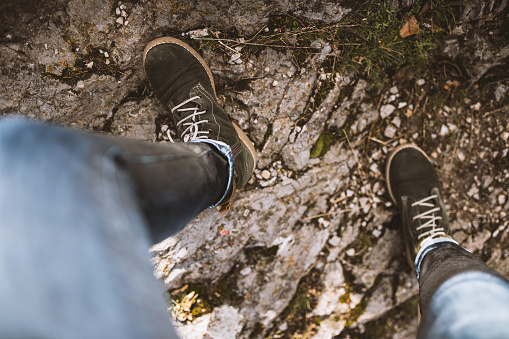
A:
(245, 271)
(335, 241)
(117, 11)
(476, 106)
(501, 199)
(444, 131)
(386, 110)
(350, 252)
(265, 174)
(390, 131)
(377, 233)
(124, 14)
(120, 20)
(396, 121)
(474, 191)
(235, 56)
(402, 104)
(421, 82)
(394, 90)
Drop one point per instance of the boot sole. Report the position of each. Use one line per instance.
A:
(245, 139)
(167, 40)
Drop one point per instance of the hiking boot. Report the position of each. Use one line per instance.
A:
(183, 83)
(414, 187)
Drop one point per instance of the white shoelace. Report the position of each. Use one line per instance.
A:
(190, 124)
(430, 219)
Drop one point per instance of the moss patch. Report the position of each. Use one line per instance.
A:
(194, 301)
(295, 314)
(388, 324)
(367, 41)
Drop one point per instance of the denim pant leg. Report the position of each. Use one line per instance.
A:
(461, 297)
(74, 237)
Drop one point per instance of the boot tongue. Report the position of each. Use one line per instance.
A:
(415, 190)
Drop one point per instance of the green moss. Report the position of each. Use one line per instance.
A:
(258, 330)
(367, 41)
(356, 313)
(373, 45)
(345, 298)
(321, 146)
(303, 301)
(384, 327)
(361, 244)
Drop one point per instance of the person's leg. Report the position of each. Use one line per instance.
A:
(449, 276)
(460, 296)
(443, 262)
(173, 182)
(73, 240)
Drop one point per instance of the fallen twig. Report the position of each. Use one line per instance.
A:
(495, 111)
(326, 214)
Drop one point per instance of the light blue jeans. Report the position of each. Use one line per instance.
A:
(461, 297)
(75, 228)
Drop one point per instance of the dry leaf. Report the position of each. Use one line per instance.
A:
(450, 85)
(436, 29)
(410, 28)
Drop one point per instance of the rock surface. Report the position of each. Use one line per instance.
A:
(318, 231)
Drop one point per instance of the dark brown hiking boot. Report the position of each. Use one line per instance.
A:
(414, 187)
(183, 83)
